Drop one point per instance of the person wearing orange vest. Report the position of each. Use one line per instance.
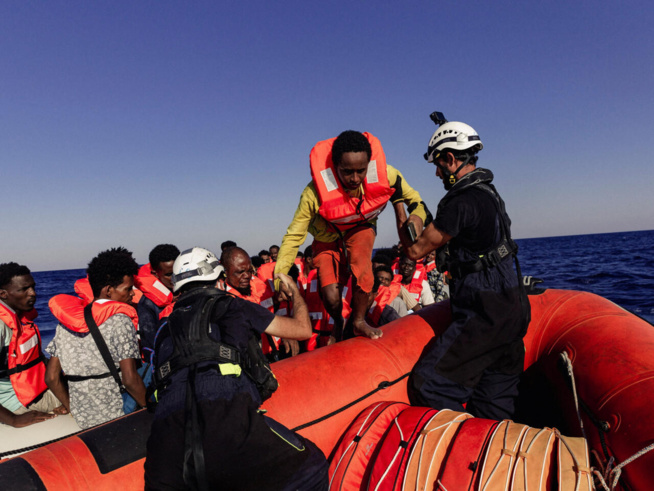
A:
(24, 396)
(415, 291)
(274, 251)
(351, 185)
(93, 395)
(240, 282)
(266, 271)
(387, 306)
(154, 280)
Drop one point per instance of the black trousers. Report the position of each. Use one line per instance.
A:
(243, 449)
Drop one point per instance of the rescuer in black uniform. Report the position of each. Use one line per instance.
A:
(480, 356)
(211, 378)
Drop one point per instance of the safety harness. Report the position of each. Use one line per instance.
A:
(491, 257)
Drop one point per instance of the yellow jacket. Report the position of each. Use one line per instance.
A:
(307, 219)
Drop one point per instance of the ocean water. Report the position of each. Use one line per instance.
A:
(618, 266)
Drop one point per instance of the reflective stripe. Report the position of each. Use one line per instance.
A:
(229, 369)
(267, 302)
(329, 179)
(161, 287)
(371, 176)
(29, 344)
(281, 312)
(315, 315)
(314, 286)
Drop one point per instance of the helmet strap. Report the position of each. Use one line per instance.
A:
(450, 178)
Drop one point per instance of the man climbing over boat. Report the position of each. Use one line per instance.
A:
(24, 396)
(211, 376)
(479, 358)
(351, 185)
(95, 345)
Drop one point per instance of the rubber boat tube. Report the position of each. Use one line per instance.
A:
(321, 392)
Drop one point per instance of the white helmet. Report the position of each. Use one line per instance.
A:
(195, 264)
(452, 135)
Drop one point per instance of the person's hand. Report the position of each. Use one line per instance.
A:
(417, 224)
(332, 340)
(291, 346)
(60, 410)
(287, 287)
(29, 418)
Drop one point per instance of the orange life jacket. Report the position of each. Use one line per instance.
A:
(385, 295)
(69, 311)
(336, 205)
(430, 266)
(266, 272)
(415, 287)
(322, 324)
(262, 294)
(83, 289)
(25, 362)
(152, 288)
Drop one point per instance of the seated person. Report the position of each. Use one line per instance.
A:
(265, 256)
(208, 431)
(93, 395)
(415, 291)
(24, 396)
(387, 305)
(257, 262)
(240, 282)
(154, 280)
(274, 251)
(437, 280)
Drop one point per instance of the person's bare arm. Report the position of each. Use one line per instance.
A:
(132, 380)
(54, 381)
(298, 326)
(22, 420)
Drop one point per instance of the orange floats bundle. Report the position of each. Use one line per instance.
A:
(424, 449)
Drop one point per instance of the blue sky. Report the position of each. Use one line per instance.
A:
(136, 123)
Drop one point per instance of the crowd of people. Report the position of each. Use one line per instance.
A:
(188, 322)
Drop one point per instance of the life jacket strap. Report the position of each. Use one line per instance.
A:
(22, 368)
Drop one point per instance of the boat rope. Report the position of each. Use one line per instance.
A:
(602, 426)
(616, 471)
(571, 375)
(382, 385)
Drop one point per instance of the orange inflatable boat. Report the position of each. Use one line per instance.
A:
(589, 372)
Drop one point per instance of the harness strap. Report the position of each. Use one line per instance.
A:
(102, 346)
(81, 378)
